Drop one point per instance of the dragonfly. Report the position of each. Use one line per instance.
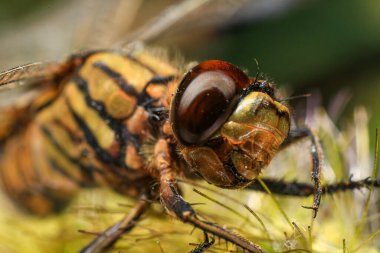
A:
(125, 119)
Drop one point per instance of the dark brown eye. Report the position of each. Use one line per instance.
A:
(204, 100)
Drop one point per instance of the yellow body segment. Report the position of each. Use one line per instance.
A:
(77, 133)
(133, 72)
(103, 133)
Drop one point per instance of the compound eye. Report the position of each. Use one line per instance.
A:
(204, 100)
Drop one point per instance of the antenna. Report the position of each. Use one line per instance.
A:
(295, 97)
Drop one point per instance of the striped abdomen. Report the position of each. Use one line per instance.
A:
(88, 135)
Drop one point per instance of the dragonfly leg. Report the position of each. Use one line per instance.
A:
(316, 154)
(106, 239)
(206, 244)
(178, 207)
(297, 189)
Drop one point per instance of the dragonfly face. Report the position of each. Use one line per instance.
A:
(230, 126)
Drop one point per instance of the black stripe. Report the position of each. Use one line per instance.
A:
(103, 155)
(47, 103)
(114, 124)
(135, 140)
(144, 97)
(117, 78)
(160, 80)
(55, 166)
(132, 58)
(121, 131)
(73, 137)
(98, 106)
(87, 171)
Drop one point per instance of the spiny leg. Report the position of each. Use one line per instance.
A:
(297, 189)
(177, 206)
(316, 153)
(113, 233)
(206, 244)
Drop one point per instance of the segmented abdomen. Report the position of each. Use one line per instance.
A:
(88, 135)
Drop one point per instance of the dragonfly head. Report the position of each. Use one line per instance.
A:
(228, 126)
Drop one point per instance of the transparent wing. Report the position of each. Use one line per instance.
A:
(184, 16)
(89, 24)
(28, 74)
(181, 21)
(20, 85)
